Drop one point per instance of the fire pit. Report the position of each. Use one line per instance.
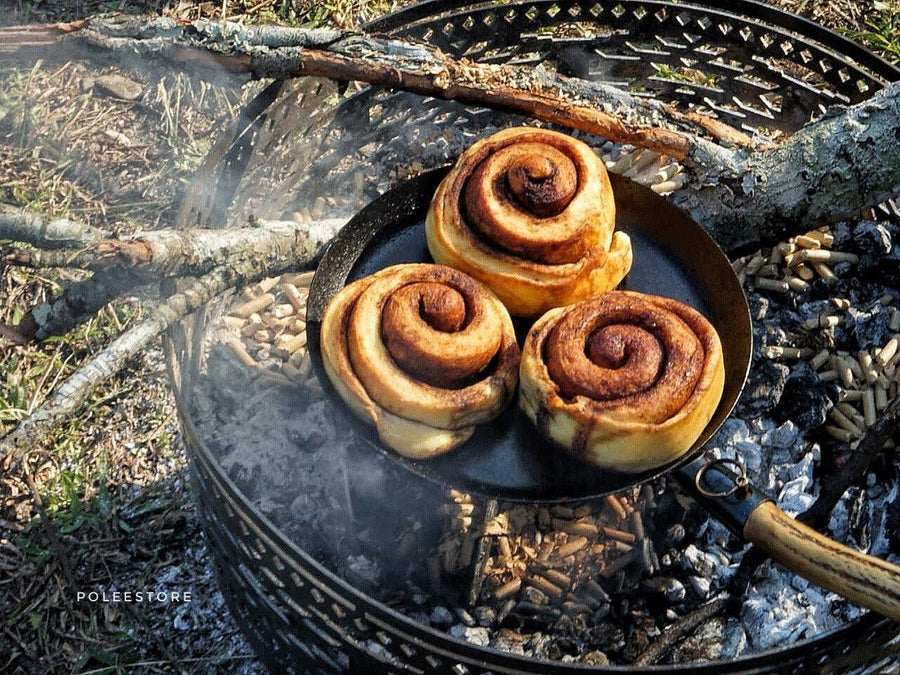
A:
(336, 560)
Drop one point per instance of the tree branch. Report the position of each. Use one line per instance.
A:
(280, 52)
(18, 224)
(829, 171)
(166, 253)
(76, 304)
(286, 250)
(122, 264)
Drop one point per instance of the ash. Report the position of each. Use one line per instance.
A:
(573, 583)
(288, 449)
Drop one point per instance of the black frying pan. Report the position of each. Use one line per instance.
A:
(505, 459)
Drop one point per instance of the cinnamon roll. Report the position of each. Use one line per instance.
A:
(530, 213)
(424, 352)
(625, 380)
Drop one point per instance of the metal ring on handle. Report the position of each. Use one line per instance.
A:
(741, 481)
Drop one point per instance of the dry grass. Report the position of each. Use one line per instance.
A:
(307, 13)
(103, 503)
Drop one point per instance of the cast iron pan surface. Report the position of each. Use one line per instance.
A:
(507, 459)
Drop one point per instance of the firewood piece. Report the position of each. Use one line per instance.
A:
(682, 628)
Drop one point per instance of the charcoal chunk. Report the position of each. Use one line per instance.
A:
(872, 237)
(869, 328)
(804, 399)
(665, 588)
(765, 386)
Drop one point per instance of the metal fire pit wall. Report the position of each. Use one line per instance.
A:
(308, 147)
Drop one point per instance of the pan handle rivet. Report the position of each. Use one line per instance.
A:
(740, 485)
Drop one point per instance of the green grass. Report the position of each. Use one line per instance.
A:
(690, 75)
(315, 13)
(882, 31)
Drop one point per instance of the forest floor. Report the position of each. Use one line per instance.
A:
(105, 504)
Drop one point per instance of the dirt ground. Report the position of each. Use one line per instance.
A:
(105, 505)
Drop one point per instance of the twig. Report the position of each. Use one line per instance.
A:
(482, 548)
(146, 664)
(62, 558)
(18, 224)
(284, 253)
(39, 257)
(737, 585)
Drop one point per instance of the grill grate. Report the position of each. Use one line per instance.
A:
(319, 153)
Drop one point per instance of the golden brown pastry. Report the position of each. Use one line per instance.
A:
(423, 351)
(530, 213)
(626, 381)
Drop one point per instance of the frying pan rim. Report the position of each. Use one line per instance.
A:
(323, 286)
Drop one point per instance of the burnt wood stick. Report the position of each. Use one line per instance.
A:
(833, 486)
(482, 549)
(681, 629)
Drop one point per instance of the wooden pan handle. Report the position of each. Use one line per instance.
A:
(863, 579)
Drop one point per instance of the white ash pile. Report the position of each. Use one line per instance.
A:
(826, 367)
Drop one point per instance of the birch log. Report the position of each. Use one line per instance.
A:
(828, 171)
(187, 252)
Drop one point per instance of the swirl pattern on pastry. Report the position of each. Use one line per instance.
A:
(423, 351)
(625, 380)
(530, 213)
